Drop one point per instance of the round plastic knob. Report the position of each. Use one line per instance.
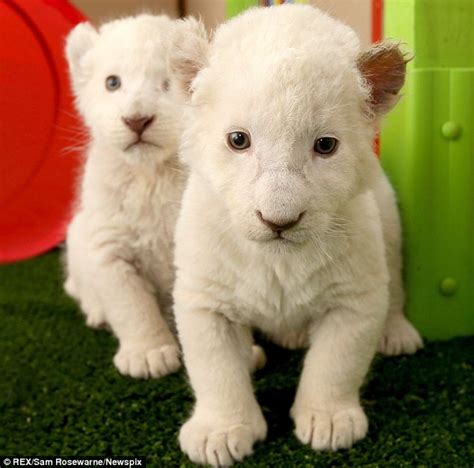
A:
(451, 130)
(448, 286)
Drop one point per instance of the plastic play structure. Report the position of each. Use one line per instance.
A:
(427, 148)
(236, 6)
(38, 125)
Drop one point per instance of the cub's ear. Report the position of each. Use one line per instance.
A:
(79, 41)
(188, 54)
(383, 69)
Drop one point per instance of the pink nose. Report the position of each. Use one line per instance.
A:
(275, 227)
(137, 123)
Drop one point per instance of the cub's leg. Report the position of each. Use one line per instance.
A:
(147, 348)
(327, 412)
(111, 292)
(226, 420)
(79, 283)
(400, 336)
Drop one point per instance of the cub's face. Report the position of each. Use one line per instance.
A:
(122, 85)
(284, 149)
(282, 118)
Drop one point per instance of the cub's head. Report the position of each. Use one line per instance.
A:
(120, 79)
(283, 108)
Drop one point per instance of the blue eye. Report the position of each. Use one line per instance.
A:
(325, 146)
(112, 82)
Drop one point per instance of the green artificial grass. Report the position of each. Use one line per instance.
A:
(61, 395)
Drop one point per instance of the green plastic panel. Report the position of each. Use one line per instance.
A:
(234, 7)
(427, 149)
(440, 31)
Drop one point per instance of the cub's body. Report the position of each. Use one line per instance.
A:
(288, 224)
(120, 242)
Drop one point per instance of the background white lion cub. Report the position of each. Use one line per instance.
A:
(119, 244)
(281, 228)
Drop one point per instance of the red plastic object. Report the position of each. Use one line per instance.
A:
(377, 20)
(377, 35)
(37, 125)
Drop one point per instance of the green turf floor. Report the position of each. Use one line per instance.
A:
(60, 394)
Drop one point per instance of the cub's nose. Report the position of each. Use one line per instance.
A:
(276, 227)
(138, 123)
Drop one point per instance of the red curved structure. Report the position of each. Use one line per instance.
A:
(38, 124)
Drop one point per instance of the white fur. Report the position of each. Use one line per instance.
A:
(120, 241)
(286, 75)
(399, 335)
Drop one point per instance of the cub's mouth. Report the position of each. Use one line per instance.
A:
(141, 143)
(277, 239)
(282, 239)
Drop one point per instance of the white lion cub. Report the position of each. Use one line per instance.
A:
(280, 228)
(120, 241)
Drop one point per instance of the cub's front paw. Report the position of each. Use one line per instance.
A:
(207, 441)
(330, 430)
(399, 337)
(144, 361)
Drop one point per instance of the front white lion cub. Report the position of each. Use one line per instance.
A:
(280, 229)
(120, 242)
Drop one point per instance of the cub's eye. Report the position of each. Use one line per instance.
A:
(325, 146)
(238, 140)
(112, 82)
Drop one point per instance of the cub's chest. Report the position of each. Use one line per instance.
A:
(150, 204)
(150, 211)
(272, 296)
(147, 206)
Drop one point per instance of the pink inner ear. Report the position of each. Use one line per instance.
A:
(383, 67)
(190, 69)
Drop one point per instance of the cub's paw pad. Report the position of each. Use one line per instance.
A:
(325, 430)
(399, 337)
(143, 363)
(217, 444)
